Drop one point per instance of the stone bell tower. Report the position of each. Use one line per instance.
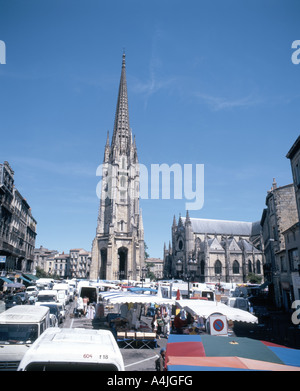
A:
(118, 248)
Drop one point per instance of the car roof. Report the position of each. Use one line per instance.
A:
(23, 314)
(78, 344)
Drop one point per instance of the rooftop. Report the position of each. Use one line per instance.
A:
(222, 227)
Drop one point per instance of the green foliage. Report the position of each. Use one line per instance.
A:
(254, 278)
(146, 253)
(40, 273)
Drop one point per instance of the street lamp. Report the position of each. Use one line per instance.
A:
(192, 268)
(179, 267)
(144, 270)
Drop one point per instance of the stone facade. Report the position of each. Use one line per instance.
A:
(75, 264)
(292, 235)
(220, 251)
(290, 267)
(278, 217)
(41, 255)
(17, 225)
(156, 266)
(118, 248)
(80, 261)
(294, 156)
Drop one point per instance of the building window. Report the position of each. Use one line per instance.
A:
(123, 181)
(123, 196)
(283, 264)
(236, 267)
(249, 266)
(202, 267)
(258, 267)
(293, 259)
(218, 267)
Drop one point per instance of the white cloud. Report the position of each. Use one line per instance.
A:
(221, 103)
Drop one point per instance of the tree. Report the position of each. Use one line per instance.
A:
(40, 273)
(146, 253)
(149, 273)
(254, 278)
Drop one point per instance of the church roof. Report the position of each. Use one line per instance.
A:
(221, 227)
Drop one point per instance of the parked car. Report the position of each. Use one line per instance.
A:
(12, 300)
(32, 290)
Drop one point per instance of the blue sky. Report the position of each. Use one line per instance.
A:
(209, 82)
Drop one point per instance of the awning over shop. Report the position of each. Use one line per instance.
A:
(31, 276)
(6, 280)
(25, 279)
(138, 289)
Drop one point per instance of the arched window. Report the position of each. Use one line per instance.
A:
(236, 267)
(123, 181)
(249, 266)
(180, 244)
(218, 267)
(202, 267)
(258, 267)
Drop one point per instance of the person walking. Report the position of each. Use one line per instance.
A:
(160, 362)
(91, 312)
(166, 327)
(85, 304)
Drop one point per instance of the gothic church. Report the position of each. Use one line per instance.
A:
(118, 248)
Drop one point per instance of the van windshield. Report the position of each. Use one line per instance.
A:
(46, 298)
(18, 333)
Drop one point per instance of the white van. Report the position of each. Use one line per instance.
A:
(20, 326)
(65, 288)
(44, 283)
(238, 302)
(47, 295)
(73, 350)
(89, 291)
(202, 290)
(32, 290)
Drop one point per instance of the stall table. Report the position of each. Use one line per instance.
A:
(139, 340)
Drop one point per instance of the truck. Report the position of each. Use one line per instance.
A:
(89, 291)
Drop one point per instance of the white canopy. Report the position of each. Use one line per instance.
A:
(129, 297)
(207, 308)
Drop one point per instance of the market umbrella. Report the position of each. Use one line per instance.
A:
(206, 308)
(204, 352)
(121, 297)
(15, 285)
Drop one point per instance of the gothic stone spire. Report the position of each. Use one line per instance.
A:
(122, 133)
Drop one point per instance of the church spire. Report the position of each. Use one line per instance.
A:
(121, 138)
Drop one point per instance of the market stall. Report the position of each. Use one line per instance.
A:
(125, 319)
(204, 309)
